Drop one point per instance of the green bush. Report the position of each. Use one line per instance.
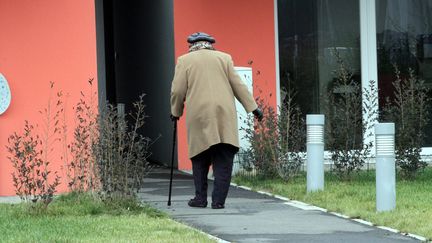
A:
(278, 141)
(107, 155)
(292, 137)
(29, 153)
(345, 128)
(409, 110)
(263, 139)
(121, 152)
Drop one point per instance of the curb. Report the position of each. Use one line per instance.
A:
(10, 199)
(212, 237)
(305, 206)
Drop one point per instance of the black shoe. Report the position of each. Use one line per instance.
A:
(197, 203)
(217, 206)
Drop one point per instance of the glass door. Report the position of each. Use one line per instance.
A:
(404, 38)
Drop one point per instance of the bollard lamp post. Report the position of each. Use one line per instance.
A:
(315, 152)
(385, 167)
(121, 110)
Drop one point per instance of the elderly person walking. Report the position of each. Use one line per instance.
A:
(205, 80)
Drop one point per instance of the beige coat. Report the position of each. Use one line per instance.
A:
(206, 82)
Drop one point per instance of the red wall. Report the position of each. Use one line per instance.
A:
(242, 28)
(43, 41)
(51, 40)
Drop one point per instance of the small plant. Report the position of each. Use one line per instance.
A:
(409, 110)
(121, 152)
(278, 141)
(263, 138)
(82, 169)
(25, 158)
(106, 155)
(344, 121)
(292, 137)
(30, 156)
(49, 137)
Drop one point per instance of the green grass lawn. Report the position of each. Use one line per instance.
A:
(84, 219)
(356, 198)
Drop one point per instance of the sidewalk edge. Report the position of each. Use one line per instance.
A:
(306, 206)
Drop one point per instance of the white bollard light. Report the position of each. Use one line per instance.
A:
(121, 110)
(315, 152)
(385, 167)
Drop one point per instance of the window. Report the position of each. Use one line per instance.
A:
(310, 32)
(404, 38)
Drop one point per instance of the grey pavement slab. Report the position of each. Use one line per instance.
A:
(254, 217)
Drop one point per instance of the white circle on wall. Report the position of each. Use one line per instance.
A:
(5, 94)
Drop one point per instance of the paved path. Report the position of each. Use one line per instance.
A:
(254, 217)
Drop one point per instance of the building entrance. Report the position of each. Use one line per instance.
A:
(135, 42)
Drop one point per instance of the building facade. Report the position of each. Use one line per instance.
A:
(130, 48)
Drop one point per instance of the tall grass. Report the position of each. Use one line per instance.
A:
(85, 218)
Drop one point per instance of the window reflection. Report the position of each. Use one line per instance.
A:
(404, 38)
(310, 32)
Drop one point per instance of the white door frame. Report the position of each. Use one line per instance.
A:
(276, 44)
(369, 66)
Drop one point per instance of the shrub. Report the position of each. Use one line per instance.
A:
(30, 156)
(409, 110)
(82, 169)
(292, 137)
(25, 159)
(344, 121)
(263, 139)
(277, 141)
(106, 155)
(121, 152)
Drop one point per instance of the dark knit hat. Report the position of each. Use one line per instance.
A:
(200, 36)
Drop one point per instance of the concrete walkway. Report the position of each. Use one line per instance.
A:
(254, 217)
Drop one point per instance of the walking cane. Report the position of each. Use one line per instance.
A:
(172, 161)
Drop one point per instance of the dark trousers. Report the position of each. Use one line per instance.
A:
(221, 156)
